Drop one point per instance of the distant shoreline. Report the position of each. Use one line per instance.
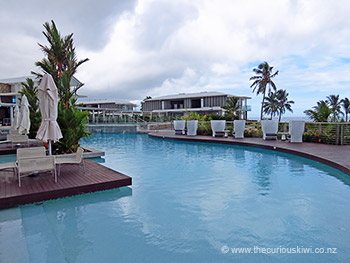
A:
(284, 119)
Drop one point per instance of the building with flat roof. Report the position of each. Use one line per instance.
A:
(108, 104)
(108, 110)
(201, 102)
(9, 95)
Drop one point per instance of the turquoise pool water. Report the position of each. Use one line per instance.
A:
(189, 202)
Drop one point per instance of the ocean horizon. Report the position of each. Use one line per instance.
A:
(286, 119)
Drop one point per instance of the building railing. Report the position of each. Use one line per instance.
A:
(316, 132)
(246, 108)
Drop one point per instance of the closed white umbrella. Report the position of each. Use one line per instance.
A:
(48, 101)
(24, 120)
(15, 123)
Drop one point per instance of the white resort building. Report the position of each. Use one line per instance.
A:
(202, 102)
(9, 95)
(108, 110)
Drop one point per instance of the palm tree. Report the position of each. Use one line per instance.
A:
(346, 105)
(60, 61)
(232, 106)
(262, 80)
(320, 112)
(283, 103)
(334, 103)
(270, 105)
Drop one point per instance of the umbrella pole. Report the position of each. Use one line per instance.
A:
(50, 150)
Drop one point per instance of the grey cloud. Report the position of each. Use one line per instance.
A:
(136, 89)
(161, 21)
(89, 20)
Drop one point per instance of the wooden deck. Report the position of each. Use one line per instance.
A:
(72, 181)
(336, 156)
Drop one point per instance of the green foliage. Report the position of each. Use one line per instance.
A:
(192, 116)
(346, 106)
(335, 105)
(31, 92)
(253, 132)
(73, 123)
(61, 62)
(283, 103)
(270, 105)
(204, 128)
(215, 117)
(262, 80)
(320, 137)
(277, 103)
(231, 107)
(320, 112)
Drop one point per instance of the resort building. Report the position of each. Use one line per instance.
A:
(109, 104)
(109, 110)
(202, 102)
(9, 95)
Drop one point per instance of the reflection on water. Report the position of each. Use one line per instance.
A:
(190, 199)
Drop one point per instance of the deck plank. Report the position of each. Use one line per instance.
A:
(72, 181)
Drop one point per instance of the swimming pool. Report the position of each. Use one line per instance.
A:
(189, 202)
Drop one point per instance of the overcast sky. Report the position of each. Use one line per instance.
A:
(160, 47)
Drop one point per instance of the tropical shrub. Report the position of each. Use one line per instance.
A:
(204, 128)
(73, 123)
(253, 132)
(322, 137)
(192, 116)
(61, 62)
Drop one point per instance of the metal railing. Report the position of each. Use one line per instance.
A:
(318, 132)
(331, 133)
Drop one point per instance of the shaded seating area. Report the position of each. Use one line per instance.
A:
(33, 160)
(269, 129)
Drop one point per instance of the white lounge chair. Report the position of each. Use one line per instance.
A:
(218, 127)
(18, 139)
(10, 165)
(192, 127)
(296, 130)
(238, 128)
(31, 152)
(34, 160)
(14, 132)
(77, 160)
(36, 165)
(179, 127)
(270, 129)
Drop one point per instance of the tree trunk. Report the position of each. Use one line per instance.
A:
(262, 107)
(279, 118)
